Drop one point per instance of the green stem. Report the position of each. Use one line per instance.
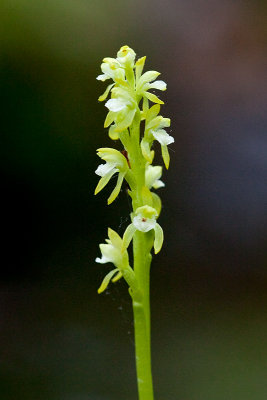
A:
(142, 244)
(141, 309)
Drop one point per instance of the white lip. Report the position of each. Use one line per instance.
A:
(115, 105)
(144, 226)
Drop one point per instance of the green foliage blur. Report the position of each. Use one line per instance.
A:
(59, 339)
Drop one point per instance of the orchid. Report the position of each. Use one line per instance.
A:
(126, 56)
(122, 108)
(130, 100)
(154, 131)
(112, 253)
(115, 162)
(144, 221)
(111, 69)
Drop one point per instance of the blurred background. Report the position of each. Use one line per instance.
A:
(59, 339)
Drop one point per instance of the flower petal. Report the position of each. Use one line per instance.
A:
(160, 85)
(144, 224)
(102, 260)
(146, 211)
(153, 98)
(115, 239)
(156, 202)
(106, 92)
(117, 277)
(111, 253)
(158, 184)
(153, 173)
(158, 123)
(145, 108)
(164, 123)
(112, 132)
(117, 189)
(128, 235)
(109, 69)
(113, 156)
(112, 61)
(165, 155)
(152, 112)
(158, 238)
(147, 77)
(104, 181)
(106, 280)
(116, 105)
(104, 169)
(102, 77)
(162, 137)
(139, 65)
(109, 119)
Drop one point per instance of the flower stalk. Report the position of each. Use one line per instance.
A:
(129, 105)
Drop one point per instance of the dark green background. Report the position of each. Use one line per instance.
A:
(59, 339)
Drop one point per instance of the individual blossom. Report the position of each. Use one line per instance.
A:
(111, 251)
(116, 69)
(154, 130)
(111, 69)
(115, 162)
(126, 57)
(122, 108)
(144, 220)
(164, 139)
(146, 82)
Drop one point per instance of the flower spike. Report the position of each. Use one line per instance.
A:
(134, 120)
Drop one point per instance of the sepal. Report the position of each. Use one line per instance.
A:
(156, 202)
(128, 235)
(145, 108)
(158, 238)
(147, 77)
(106, 93)
(160, 85)
(152, 97)
(106, 280)
(152, 112)
(104, 181)
(117, 277)
(165, 155)
(117, 189)
(109, 119)
(139, 65)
